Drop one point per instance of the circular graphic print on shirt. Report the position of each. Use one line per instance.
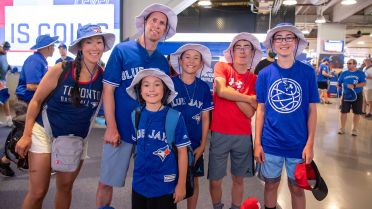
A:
(285, 95)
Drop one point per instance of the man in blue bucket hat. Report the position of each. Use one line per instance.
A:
(155, 23)
(35, 67)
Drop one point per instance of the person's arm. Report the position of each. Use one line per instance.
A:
(246, 108)
(205, 128)
(47, 85)
(111, 135)
(308, 152)
(258, 150)
(180, 191)
(229, 93)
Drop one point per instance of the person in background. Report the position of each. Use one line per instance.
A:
(352, 82)
(35, 67)
(194, 101)
(69, 113)
(156, 22)
(287, 94)
(324, 74)
(4, 92)
(231, 130)
(265, 62)
(62, 48)
(368, 88)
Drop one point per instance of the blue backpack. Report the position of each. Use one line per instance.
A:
(171, 122)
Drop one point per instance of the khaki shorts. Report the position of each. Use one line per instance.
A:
(42, 142)
(368, 94)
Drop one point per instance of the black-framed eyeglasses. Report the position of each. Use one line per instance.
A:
(243, 48)
(286, 39)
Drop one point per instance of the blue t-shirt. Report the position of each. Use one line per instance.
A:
(33, 70)
(3, 66)
(321, 77)
(67, 59)
(348, 77)
(191, 101)
(155, 166)
(63, 116)
(125, 61)
(287, 94)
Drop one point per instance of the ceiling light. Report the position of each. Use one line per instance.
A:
(361, 42)
(320, 20)
(305, 31)
(348, 2)
(289, 2)
(204, 3)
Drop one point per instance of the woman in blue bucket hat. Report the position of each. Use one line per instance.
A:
(69, 94)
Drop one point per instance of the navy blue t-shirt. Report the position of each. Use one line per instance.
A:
(287, 94)
(67, 59)
(155, 166)
(125, 61)
(191, 101)
(348, 77)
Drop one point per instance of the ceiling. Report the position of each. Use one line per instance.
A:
(357, 17)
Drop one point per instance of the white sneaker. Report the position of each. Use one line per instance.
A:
(9, 121)
(341, 131)
(354, 132)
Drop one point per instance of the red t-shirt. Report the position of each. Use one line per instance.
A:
(227, 118)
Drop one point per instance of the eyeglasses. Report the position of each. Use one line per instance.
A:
(350, 63)
(243, 48)
(286, 39)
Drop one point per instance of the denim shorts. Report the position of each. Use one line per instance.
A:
(270, 170)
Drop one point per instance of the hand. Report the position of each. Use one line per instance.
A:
(23, 145)
(259, 154)
(112, 137)
(198, 152)
(308, 154)
(179, 193)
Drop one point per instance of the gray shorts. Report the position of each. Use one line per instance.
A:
(115, 164)
(240, 148)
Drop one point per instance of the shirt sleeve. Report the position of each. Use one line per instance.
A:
(34, 72)
(207, 98)
(113, 70)
(261, 87)
(182, 138)
(341, 78)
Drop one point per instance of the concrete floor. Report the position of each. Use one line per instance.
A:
(345, 163)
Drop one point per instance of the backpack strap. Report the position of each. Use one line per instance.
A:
(171, 122)
(135, 116)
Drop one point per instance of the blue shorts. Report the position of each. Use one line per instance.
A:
(271, 169)
(115, 163)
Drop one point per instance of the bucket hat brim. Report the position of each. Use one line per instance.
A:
(203, 50)
(152, 72)
(52, 40)
(302, 42)
(171, 16)
(108, 37)
(255, 43)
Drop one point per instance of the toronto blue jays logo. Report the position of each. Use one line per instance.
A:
(196, 118)
(162, 152)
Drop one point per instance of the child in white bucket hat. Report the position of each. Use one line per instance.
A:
(70, 94)
(155, 23)
(155, 163)
(194, 101)
(287, 94)
(232, 132)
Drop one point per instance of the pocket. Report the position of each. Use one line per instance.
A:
(66, 153)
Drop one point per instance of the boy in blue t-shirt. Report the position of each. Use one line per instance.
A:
(194, 101)
(159, 178)
(286, 114)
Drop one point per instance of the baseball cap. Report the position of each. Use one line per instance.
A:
(62, 45)
(307, 176)
(251, 203)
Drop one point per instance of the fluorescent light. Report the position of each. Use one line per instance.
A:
(348, 2)
(305, 31)
(320, 20)
(204, 3)
(289, 2)
(361, 42)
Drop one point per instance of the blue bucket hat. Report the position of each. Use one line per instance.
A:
(88, 31)
(43, 41)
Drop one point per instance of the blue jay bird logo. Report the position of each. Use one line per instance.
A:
(162, 152)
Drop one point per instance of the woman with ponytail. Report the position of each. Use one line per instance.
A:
(70, 92)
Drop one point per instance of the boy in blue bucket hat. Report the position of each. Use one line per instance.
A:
(35, 67)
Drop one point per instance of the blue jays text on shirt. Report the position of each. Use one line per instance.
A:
(182, 101)
(156, 135)
(356, 78)
(129, 74)
(86, 95)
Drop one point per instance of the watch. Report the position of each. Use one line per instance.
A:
(354, 85)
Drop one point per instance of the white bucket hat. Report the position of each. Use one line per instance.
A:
(203, 50)
(302, 43)
(152, 72)
(171, 22)
(255, 43)
(88, 31)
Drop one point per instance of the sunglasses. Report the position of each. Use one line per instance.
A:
(350, 63)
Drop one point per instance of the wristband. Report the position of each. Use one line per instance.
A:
(354, 85)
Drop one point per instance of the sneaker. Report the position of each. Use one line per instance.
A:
(341, 131)
(5, 169)
(354, 132)
(369, 115)
(9, 121)
(328, 102)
